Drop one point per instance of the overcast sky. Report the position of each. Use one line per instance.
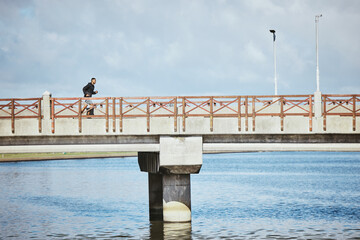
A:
(176, 48)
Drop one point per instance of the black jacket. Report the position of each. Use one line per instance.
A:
(89, 90)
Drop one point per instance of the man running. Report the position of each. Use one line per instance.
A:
(88, 92)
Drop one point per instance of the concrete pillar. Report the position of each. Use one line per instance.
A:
(46, 112)
(176, 198)
(155, 196)
(169, 177)
(318, 104)
(169, 197)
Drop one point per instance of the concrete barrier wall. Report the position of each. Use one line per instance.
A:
(193, 125)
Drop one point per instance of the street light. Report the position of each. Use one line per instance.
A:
(317, 52)
(275, 79)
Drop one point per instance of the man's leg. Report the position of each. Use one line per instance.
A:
(90, 111)
(89, 106)
(83, 109)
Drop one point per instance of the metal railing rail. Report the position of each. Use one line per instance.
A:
(341, 105)
(72, 107)
(303, 104)
(21, 108)
(187, 106)
(243, 108)
(147, 107)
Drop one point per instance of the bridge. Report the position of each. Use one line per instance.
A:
(170, 134)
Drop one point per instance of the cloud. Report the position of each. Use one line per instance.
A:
(266, 7)
(176, 47)
(254, 53)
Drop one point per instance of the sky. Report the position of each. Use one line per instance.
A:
(177, 48)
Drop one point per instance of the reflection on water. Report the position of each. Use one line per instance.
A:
(161, 230)
(235, 196)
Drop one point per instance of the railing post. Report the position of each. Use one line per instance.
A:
(239, 114)
(282, 113)
(310, 113)
(148, 115)
(121, 114)
(114, 113)
(253, 113)
(175, 114)
(46, 113)
(354, 113)
(246, 113)
(107, 114)
(12, 115)
(324, 113)
(39, 115)
(80, 116)
(317, 105)
(53, 115)
(183, 113)
(211, 114)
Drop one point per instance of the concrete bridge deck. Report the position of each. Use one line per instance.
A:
(210, 143)
(226, 123)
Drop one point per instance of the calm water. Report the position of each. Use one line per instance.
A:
(235, 196)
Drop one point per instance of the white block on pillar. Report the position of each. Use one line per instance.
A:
(180, 155)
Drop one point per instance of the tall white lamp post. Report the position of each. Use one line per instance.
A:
(275, 79)
(317, 95)
(317, 52)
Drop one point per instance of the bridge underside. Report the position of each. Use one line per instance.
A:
(155, 139)
(211, 143)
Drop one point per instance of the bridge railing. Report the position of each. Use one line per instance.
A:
(290, 105)
(131, 107)
(240, 107)
(17, 108)
(246, 109)
(72, 108)
(341, 105)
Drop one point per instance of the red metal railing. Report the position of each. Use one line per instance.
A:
(21, 108)
(72, 108)
(131, 107)
(187, 106)
(243, 108)
(341, 105)
(295, 105)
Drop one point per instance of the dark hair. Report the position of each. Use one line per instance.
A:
(93, 78)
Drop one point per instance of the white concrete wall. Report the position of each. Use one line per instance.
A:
(179, 151)
(193, 125)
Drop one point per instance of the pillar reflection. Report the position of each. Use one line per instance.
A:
(166, 231)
